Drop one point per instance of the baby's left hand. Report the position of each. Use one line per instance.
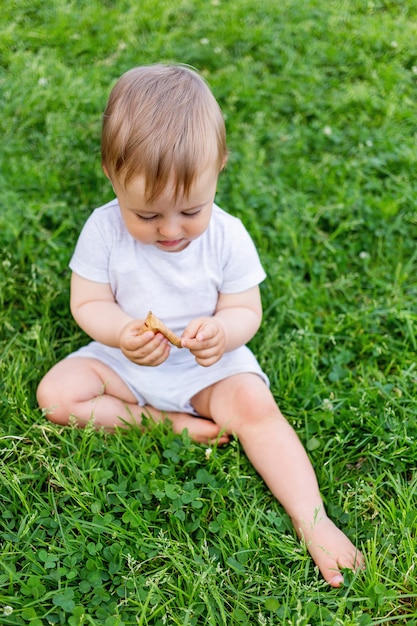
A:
(205, 339)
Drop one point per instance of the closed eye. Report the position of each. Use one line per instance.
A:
(150, 218)
(146, 219)
(193, 214)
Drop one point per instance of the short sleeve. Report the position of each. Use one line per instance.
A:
(91, 255)
(242, 266)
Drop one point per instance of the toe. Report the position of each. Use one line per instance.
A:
(335, 580)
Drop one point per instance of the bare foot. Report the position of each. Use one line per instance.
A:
(200, 429)
(330, 548)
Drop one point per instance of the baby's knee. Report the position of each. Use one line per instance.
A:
(46, 395)
(255, 400)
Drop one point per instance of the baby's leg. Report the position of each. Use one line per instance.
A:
(243, 405)
(87, 390)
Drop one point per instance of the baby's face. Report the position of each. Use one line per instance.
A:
(166, 223)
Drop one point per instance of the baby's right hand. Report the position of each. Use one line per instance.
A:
(143, 348)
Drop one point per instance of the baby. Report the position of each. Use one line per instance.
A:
(164, 245)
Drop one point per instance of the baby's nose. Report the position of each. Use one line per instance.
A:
(169, 228)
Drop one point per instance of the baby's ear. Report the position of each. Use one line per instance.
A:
(224, 162)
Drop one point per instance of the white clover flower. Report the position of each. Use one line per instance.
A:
(414, 69)
(7, 610)
(364, 255)
(394, 44)
(208, 453)
(43, 82)
(369, 143)
(327, 131)
(327, 405)
(204, 41)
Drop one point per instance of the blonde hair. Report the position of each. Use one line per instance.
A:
(162, 121)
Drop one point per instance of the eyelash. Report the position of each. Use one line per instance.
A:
(146, 219)
(154, 217)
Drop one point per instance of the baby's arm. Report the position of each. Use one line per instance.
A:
(241, 316)
(95, 310)
(235, 321)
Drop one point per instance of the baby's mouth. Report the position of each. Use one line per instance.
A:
(172, 244)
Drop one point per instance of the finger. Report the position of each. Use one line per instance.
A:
(145, 338)
(159, 347)
(193, 328)
(201, 343)
(206, 352)
(207, 332)
(135, 342)
(206, 360)
(191, 343)
(221, 441)
(153, 352)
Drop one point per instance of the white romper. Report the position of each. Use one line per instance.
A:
(175, 286)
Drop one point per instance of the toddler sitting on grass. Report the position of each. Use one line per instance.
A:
(164, 245)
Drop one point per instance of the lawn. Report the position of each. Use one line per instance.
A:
(149, 528)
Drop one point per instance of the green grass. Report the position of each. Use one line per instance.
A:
(131, 528)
